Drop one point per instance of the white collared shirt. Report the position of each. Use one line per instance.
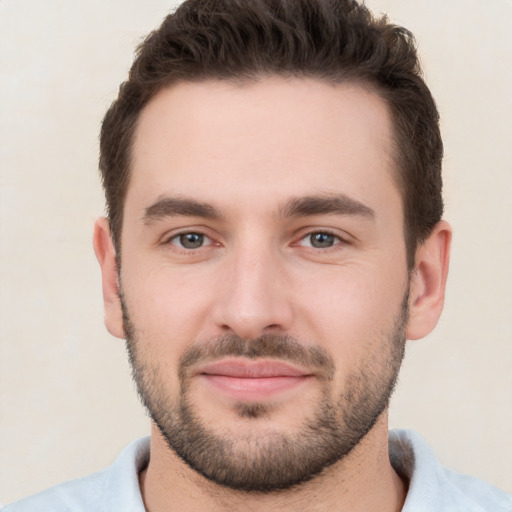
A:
(432, 486)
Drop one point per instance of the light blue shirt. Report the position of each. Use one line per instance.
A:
(432, 487)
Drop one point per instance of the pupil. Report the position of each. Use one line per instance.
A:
(322, 240)
(191, 240)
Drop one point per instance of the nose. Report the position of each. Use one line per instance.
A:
(254, 297)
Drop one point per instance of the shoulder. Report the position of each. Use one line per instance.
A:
(115, 488)
(433, 486)
(76, 495)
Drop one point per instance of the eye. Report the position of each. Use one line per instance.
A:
(190, 240)
(320, 240)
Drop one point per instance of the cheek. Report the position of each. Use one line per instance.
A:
(352, 309)
(167, 307)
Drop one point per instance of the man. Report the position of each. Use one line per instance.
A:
(274, 234)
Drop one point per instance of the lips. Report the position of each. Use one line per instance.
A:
(250, 380)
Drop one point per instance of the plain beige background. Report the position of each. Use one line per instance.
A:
(67, 403)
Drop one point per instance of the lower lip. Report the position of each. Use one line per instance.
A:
(252, 389)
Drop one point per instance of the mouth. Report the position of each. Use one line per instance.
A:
(249, 380)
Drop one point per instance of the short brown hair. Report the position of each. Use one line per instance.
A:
(243, 40)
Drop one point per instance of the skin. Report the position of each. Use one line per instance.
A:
(247, 151)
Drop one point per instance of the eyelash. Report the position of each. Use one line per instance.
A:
(179, 236)
(339, 240)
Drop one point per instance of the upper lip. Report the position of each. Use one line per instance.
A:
(251, 369)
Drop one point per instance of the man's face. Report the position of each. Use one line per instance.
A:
(264, 276)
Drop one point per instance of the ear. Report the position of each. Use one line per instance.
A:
(106, 255)
(428, 282)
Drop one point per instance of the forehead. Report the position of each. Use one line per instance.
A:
(261, 140)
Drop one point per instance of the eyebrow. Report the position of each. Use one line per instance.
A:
(174, 206)
(339, 204)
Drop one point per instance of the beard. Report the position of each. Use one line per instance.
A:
(265, 460)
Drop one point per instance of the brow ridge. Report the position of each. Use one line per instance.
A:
(325, 204)
(304, 206)
(175, 206)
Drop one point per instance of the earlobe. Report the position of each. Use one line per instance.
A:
(428, 282)
(106, 255)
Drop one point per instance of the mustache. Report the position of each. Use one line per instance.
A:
(274, 346)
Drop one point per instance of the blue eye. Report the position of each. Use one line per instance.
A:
(190, 240)
(320, 240)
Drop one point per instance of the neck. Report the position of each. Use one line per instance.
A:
(363, 481)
